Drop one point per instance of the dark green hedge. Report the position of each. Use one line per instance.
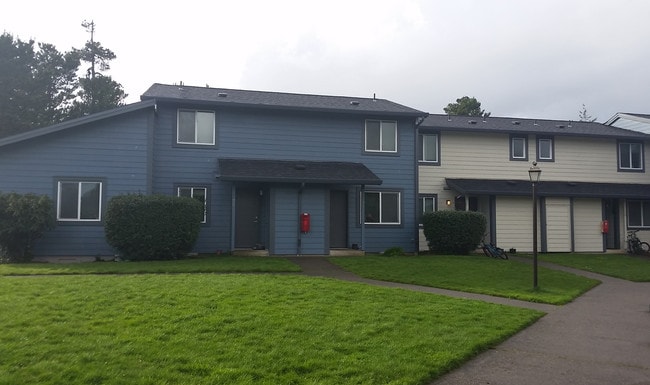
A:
(454, 232)
(23, 219)
(153, 227)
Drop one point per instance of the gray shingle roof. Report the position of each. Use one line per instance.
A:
(528, 126)
(550, 188)
(295, 171)
(278, 100)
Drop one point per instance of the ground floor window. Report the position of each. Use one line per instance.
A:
(638, 213)
(198, 193)
(382, 207)
(428, 204)
(79, 201)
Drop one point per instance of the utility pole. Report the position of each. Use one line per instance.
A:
(90, 27)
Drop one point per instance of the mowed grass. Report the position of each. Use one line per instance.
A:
(631, 268)
(474, 274)
(236, 329)
(209, 264)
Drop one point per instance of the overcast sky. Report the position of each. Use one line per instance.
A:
(520, 58)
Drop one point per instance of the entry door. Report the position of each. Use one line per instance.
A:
(338, 219)
(247, 212)
(610, 210)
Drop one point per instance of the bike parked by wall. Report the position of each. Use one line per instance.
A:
(635, 245)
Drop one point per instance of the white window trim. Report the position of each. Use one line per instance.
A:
(205, 202)
(539, 143)
(645, 222)
(79, 183)
(399, 208)
(512, 148)
(437, 160)
(620, 166)
(381, 137)
(195, 143)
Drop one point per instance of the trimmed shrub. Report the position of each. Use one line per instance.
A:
(454, 232)
(153, 227)
(23, 219)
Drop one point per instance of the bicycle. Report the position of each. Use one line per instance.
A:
(491, 250)
(635, 245)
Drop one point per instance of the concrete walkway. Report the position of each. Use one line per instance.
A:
(603, 337)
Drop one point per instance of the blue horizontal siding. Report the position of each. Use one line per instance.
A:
(286, 136)
(113, 150)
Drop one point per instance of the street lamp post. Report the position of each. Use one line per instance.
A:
(534, 173)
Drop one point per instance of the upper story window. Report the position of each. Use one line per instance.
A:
(518, 147)
(638, 214)
(630, 156)
(429, 151)
(381, 136)
(79, 201)
(198, 193)
(545, 149)
(382, 207)
(195, 127)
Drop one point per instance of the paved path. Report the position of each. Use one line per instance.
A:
(603, 337)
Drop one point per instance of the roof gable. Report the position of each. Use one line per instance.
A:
(528, 126)
(278, 100)
(76, 122)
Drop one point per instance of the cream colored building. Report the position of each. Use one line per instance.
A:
(591, 173)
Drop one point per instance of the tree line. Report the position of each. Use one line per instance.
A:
(40, 86)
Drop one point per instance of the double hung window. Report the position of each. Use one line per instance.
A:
(518, 148)
(430, 149)
(545, 149)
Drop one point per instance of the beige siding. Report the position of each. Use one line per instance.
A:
(587, 215)
(487, 156)
(514, 223)
(558, 225)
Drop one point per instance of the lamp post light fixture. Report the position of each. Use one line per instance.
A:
(534, 173)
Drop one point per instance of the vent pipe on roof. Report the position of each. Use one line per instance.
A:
(516, 122)
(449, 117)
(222, 94)
(354, 103)
(374, 97)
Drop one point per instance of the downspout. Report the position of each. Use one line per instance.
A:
(418, 122)
(299, 245)
(233, 201)
(362, 208)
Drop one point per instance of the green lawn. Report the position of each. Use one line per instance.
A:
(236, 329)
(211, 264)
(631, 268)
(476, 274)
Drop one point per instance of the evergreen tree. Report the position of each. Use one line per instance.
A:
(466, 106)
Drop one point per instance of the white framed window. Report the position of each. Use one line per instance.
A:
(430, 148)
(545, 149)
(428, 204)
(195, 127)
(198, 193)
(518, 148)
(79, 201)
(630, 156)
(381, 136)
(638, 214)
(382, 207)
